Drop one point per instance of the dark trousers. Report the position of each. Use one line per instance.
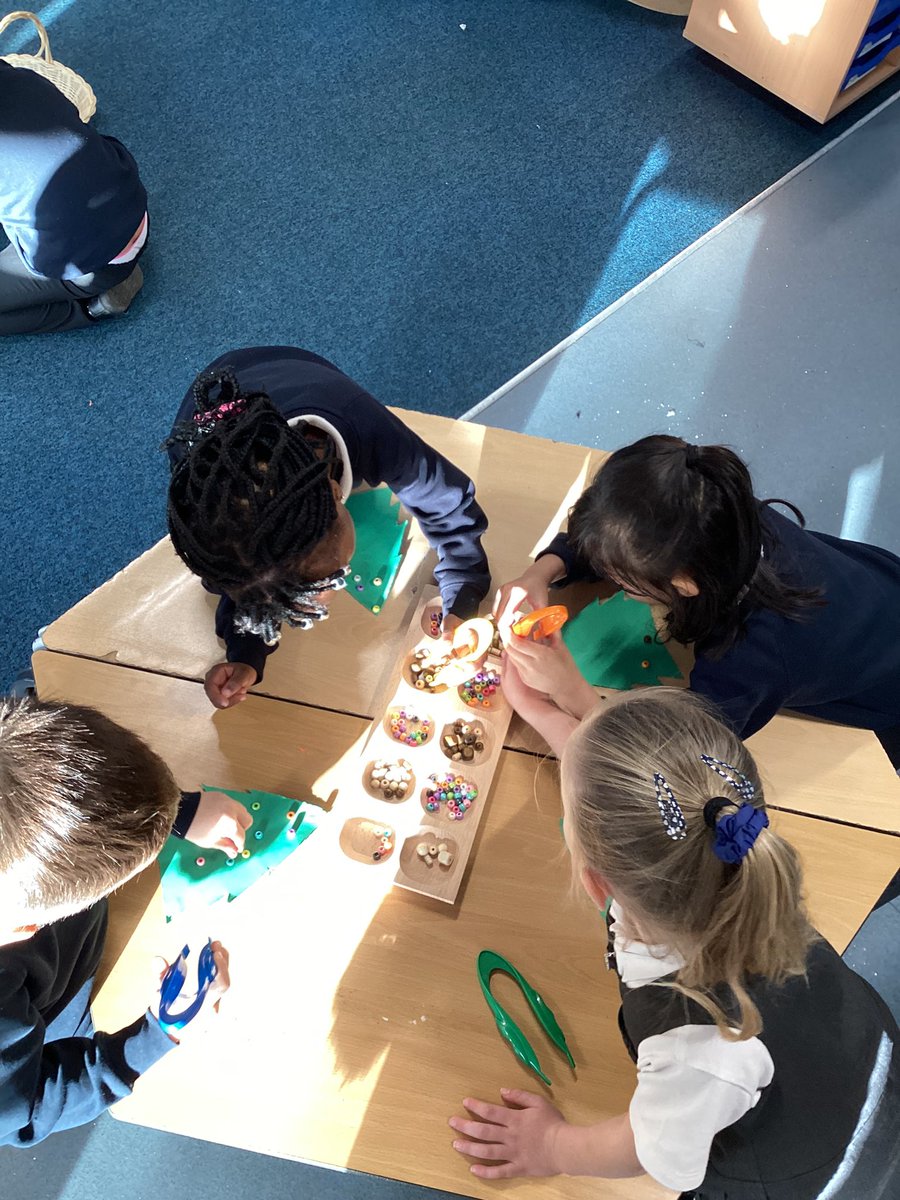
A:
(32, 304)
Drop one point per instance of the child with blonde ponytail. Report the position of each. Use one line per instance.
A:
(766, 1069)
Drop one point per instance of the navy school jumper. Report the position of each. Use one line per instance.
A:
(381, 450)
(56, 1071)
(839, 661)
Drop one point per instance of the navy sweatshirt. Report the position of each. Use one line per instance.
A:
(840, 661)
(55, 1071)
(381, 450)
(70, 199)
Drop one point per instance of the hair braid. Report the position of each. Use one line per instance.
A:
(249, 500)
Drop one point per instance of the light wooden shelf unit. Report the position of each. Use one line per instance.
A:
(808, 67)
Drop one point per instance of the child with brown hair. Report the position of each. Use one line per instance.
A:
(84, 806)
(766, 1069)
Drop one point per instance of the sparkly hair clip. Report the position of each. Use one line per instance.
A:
(669, 809)
(732, 775)
(206, 421)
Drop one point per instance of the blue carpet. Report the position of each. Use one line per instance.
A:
(431, 207)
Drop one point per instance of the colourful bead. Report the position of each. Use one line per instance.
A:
(258, 835)
(245, 854)
(291, 814)
(201, 861)
(376, 608)
(256, 806)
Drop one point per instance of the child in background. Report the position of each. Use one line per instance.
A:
(268, 444)
(73, 207)
(84, 806)
(778, 616)
(766, 1068)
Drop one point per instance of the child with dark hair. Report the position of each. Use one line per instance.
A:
(779, 616)
(84, 806)
(268, 444)
(766, 1069)
(74, 209)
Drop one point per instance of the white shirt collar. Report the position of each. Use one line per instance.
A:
(636, 962)
(327, 427)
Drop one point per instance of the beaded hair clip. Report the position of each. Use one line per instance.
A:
(301, 611)
(669, 809)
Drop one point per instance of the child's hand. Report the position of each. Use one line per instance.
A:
(528, 592)
(220, 823)
(217, 990)
(524, 699)
(522, 1140)
(227, 683)
(544, 666)
(547, 666)
(449, 625)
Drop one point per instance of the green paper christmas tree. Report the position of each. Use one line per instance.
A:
(615, 646)
(196, 878)
(379, 546)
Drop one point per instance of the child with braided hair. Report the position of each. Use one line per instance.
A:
(267, 445)
(766, 1068)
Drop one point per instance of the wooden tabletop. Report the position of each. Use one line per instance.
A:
(154, 616)
(355, 1023)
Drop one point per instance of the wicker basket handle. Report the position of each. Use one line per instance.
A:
(22, 15)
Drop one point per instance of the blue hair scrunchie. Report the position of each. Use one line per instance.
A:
(737, 832)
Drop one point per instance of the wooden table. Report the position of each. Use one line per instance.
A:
(355, 1023)
(155, 617)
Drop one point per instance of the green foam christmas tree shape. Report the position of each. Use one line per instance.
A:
(195, 878)
(611, 641)
(379, 542)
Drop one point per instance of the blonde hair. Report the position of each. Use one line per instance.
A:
(727, 922)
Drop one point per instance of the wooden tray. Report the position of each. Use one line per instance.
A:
(408, 819)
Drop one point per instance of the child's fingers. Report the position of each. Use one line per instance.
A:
(482, 1149)
(243, 817)
(523, 1099)
(488, 1112)
(222, 981)
(506, 1171)
(483, 1130)
(525, 649)
(159, 966)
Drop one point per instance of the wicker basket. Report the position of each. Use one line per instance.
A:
(72, 86)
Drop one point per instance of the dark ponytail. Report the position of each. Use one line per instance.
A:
(663, 507)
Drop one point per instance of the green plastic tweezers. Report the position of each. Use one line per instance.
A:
(488, 963)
